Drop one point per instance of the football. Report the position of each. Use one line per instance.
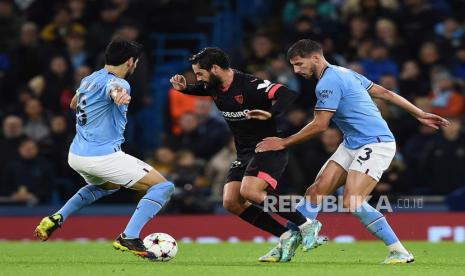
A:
(162, 245)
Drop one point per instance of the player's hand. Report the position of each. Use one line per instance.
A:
(258, 114)
(270, 144)
(120, 95)
(178, 82)
(433, 120)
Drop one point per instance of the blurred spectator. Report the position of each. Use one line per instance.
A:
(417, 21)
(57, 145)
(62, 25)
(217, 169)
(387, 33)
(28, 53)
(358, 32)
(371, 9)
(75, 50)
(101, 32)
(283, 73)
(411, 83)
(304, 27)
(379, 63)
(458, 65)
(36, 126)
(179, 103)
(80, 11)
(444, 161)
(10, 25)
(189, 184)
(58, 84)
(262, 52)
(446, 101)
(331, 55)
(413, 153)
(449, 34)
(191, 138)
(163, 161)
(429, 58)
(13, 134)
(213, 131)
(29, 178)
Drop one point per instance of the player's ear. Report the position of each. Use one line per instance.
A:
(215, 69)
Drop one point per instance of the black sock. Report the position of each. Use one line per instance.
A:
(292, 215)
(255, 216)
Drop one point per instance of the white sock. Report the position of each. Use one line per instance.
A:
(397, 246)
(309, 221)
(285, 235)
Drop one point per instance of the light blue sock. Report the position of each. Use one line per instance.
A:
(308, 209)
(85, 196)
(148, 207)
(376, 223)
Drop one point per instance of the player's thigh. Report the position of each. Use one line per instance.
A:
(331, 176)
(264, 170)
(125, 170)
(366, 170)
(152, 178)
(373, 159)
(358, 186)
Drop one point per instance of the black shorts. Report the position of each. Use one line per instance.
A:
(268, 166)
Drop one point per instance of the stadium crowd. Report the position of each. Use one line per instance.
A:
(413, 47)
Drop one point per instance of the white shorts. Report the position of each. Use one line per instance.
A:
(372, 159)
(118, 168)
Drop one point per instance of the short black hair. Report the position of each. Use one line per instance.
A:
(120, 50)
(303, 48)
(209, 56)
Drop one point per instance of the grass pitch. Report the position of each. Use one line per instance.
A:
(99, 258)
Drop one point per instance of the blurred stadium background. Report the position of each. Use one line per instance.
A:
(413, 47)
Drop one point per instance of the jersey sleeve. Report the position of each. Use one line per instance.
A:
(266, 87)
(328, 95)
(365, 82)
(196, 90)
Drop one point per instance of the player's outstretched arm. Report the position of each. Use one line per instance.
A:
(120, 95)
(180, 84)
(73, 103)
(319, 124)
(429, 119)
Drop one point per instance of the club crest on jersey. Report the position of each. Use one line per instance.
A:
(239, 99)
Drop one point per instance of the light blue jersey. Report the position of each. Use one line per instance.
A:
(100, 122)
(345, 93)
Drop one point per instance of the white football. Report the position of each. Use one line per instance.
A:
(162, 245)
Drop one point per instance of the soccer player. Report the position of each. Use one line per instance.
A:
(246, 103)
(101, 103)
(367, 149)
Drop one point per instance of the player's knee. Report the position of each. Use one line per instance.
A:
(165, 189)
(250, 194)
(351, 202)
(233, 206)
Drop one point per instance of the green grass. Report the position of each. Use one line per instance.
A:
(93, 258)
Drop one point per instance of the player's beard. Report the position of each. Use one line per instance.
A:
(213, 81)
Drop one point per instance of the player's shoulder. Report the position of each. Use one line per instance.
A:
(332, 76)
(244, 77)
(113, 80)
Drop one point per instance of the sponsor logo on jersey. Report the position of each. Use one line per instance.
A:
(235, 116)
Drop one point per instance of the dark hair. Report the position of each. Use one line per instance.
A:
(209, 56)
(303, 48)
(120, 50)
